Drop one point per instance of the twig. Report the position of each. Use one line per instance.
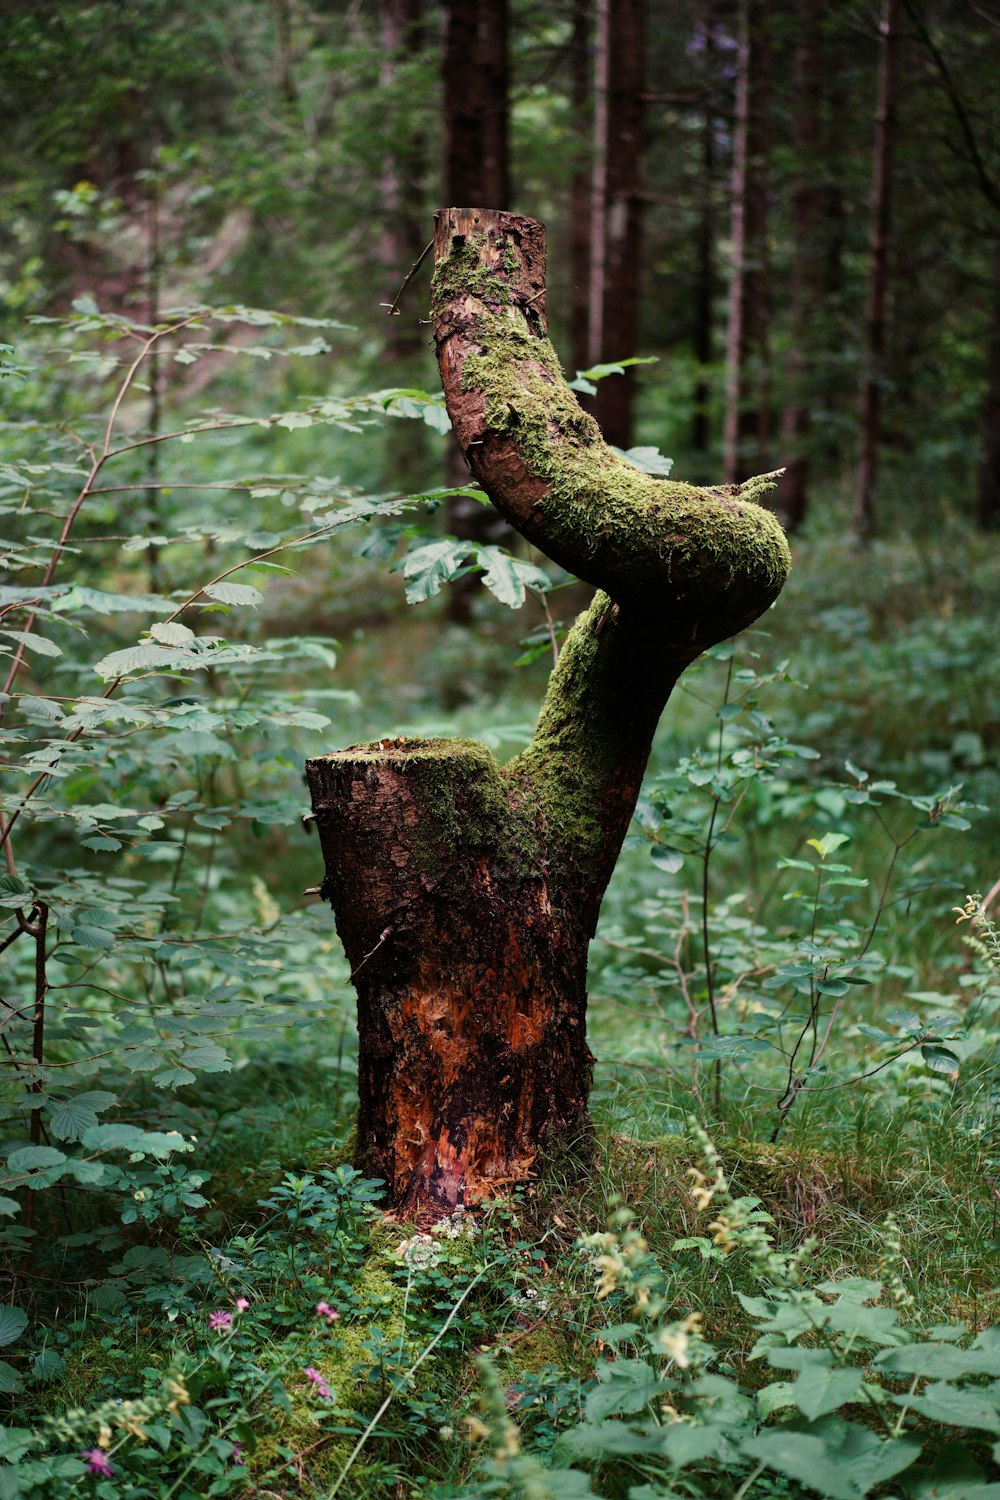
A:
(392, 308)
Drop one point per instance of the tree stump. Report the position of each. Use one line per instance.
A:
(466, 893)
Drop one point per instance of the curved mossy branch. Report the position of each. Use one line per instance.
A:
(679, 568)
(703, 563)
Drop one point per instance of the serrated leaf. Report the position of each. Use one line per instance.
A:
(958, 1406)
(507, 577)
(135, 659)
(69, 1120)
(33, 642)
(428, 567)
(48, 1364)
(13, 1322)
(171, 633)
(293, 419)
(234, 593)
(30, 1158)
(10, 1384)
(96, 938)
(837, 1459)
(173, 1078)
(650, 460)
(818, 1390)
(207, 1057)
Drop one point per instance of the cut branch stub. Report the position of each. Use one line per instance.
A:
(703, 562)
(466, 893)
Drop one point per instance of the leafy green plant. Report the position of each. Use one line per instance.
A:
(757, 987)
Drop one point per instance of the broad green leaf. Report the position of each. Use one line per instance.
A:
(507, 577)
(818, 1391)
(958, 1406)
(131, 1138)
(10, 1384)
(650, 460)
(777, 1396)
(670, 860)
(13, 1322)
(837, 1459)
(33, 642)
(942, 1361)
(625, 1386)
(828, 843)
(428, 567)
(234, 593)
(28, 1158)
(940, 1059)
(171, 633)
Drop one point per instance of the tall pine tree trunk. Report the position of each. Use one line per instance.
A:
(626, 53)
(705, 280)
(989, 469)
(878, 272)
(401, 203)
(792, 497)
(466, 893)
(748, 406)
(476, 78)
(581, 98)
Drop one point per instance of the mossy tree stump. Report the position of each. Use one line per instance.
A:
(466, 893)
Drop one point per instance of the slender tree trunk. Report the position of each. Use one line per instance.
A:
(878, 272)
(989, 471)
(705, 282)
(580, 190)
(792, 497)
(403, 169)
(466, 893)
(748, 407)
(618, 205)
(476, 170)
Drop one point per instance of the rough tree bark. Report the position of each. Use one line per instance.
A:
(793, 487)
(476, 80)
(746, 438)
(989, 468)
(466, 892)
(616, 223)
(878, 271)
(705, 280)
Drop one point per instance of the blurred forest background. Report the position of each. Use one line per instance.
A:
(794, 207)
(227, 476)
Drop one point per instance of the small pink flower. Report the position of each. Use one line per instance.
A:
(317, 1380)
(98, 1462)
(236, 1457)
(324, 1310)
(241, 1304)
(220, 1319)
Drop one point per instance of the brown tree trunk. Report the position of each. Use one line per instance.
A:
(580, 189)
(466, 893)
(748, 407)
(989, 470)
(616, 230)
(705, 283)
(476, 170)
(402, 232)
(792, 496)
(878, 273)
